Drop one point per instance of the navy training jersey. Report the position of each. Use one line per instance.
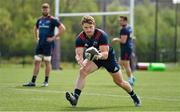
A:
(126, 31)
(46, 26)
(99, 38)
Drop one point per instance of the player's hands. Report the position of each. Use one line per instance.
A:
(116, 40)
(80, 62)
(50, 39)
(97, 57)
(92, 54)
(37, 40)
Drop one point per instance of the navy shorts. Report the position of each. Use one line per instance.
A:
(44, 50)
(126, 54)
(110, 64)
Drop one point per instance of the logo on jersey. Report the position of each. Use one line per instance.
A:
(47, 22)
(95, 43)
(44, 24)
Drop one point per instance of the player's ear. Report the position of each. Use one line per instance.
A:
(94, 24)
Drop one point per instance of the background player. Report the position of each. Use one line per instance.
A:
(126, 45)
(44, 33)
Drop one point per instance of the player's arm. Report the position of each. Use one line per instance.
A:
(79, 55)
(79, 51)
(122, 39)
(104, 51)
(61, 29)
(116, 39)
(123, 36)
(36, 33)
(103, 47)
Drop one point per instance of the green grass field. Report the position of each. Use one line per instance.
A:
(159, 91)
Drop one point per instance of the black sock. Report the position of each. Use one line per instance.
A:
(33, 79)
(132, 93)
(46, 79)
(134, 96)
(77, 93)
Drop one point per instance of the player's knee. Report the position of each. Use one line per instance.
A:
(128, 68)
(38, 57)
(47, 58)
(48, 63)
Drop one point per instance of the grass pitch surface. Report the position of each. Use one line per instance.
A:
(159, 91)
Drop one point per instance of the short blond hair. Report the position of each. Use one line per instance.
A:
(45, 5)
(87, 19)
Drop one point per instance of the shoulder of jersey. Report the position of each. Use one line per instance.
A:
(51, 17)
(100, 30)
(125, 28)
(40, 17)
(81, 35)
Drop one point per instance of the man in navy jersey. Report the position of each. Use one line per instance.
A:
(126, 47)
(91, 36)
(44, 36)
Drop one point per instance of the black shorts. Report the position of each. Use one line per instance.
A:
(45, 50)
(111, 64)
(126, 54)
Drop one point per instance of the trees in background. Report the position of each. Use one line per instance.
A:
(19, 16)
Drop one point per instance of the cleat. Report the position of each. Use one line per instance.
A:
(131, 81)
(45, 84)
(29, 84)
(71, 98)
(137, 104)
(137, 101)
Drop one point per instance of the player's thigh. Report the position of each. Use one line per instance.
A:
(126, 63)
(38, 50)
(117, 76)
(47, 50)
(89, 67)
(120, 62)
